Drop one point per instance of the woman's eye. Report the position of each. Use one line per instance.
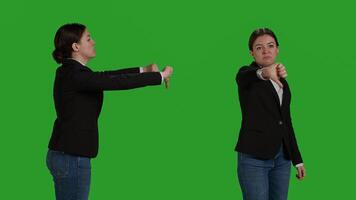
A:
(271, 46)
(258, 48)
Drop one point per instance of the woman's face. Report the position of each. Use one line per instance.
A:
(264, 50)
(85, 47)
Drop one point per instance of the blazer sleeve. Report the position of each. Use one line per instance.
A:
(134, 70)
(296, 155)
(246, 76)
(86, 80)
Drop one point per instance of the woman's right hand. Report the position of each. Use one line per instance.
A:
(167, 73)
(272, 72)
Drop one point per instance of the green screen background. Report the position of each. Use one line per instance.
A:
(178, 143)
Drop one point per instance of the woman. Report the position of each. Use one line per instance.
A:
(266, 144)
(78, 97)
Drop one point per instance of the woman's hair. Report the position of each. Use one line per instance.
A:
(66, 35)
(259, 32)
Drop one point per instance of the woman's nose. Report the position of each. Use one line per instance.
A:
(264, 50)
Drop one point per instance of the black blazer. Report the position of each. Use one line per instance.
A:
(78, 98)
(265, 124)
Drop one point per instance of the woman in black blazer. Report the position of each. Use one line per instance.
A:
(267, 144)
(78, 98)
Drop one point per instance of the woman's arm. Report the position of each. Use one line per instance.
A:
(246, 76)
(135, 70)
(87, 80)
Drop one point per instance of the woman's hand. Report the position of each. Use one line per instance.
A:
(151, 68)
(167, 73)
(281, 70)
(301, 173)
(271, 72)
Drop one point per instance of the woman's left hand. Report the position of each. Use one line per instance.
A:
(301, 173)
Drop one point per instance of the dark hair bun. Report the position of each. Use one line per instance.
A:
(58, 56)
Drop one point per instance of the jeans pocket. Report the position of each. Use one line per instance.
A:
(58, 164)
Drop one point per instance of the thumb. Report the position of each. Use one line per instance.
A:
(166, 81)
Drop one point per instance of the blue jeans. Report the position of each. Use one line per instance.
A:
(71, 175)
(264, 179)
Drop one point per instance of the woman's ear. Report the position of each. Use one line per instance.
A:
(252, 54)
(75, 47)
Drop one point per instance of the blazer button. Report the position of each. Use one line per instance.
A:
(280, 122)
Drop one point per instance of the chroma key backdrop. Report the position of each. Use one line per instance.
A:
(178, 144)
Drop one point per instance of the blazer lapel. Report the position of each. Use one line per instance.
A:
(286, 92)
